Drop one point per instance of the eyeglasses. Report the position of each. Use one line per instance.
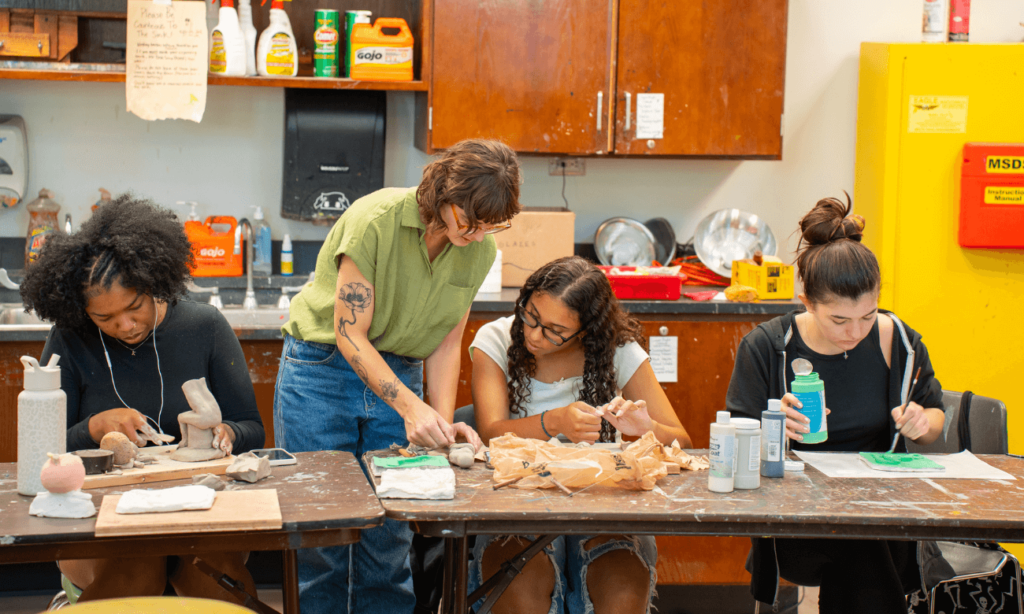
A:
(488, 230)
(527, 319)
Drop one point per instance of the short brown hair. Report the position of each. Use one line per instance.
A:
(479, 175)
(832, 261)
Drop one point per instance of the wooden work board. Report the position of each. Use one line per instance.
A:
(163, 470)
(233, 510)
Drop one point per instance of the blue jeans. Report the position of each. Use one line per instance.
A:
(570, 559)
(321, 404)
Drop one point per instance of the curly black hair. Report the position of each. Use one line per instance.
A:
(582, 287)
(129, 240)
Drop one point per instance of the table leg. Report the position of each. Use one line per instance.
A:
(461, 548)
(448, 578)
(290, 582)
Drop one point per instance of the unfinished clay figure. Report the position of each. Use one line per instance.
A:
(249, 468)
(63, 476)
(461, 454)
(196, 425)
(124, 450)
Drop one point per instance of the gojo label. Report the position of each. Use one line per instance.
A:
(212, 252)
(383, 55)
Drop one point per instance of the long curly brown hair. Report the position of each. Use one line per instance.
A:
(583, 288)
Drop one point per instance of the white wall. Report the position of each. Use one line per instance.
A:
(81, 138)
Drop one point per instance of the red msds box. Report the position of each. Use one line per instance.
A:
(992, 195)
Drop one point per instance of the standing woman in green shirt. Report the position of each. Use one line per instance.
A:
(394, 283)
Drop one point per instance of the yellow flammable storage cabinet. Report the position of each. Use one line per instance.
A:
(918, 105)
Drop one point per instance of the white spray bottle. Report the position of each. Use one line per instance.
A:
(276, 54)
(249, 31)
(227, 43)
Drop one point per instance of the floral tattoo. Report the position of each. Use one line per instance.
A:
(389, 390)
(357, 297)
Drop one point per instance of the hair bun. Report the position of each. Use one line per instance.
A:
(830, 220)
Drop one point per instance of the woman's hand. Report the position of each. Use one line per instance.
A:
(223, 438)
(796, 423)
(912, 422)
(628, 417)
(466, 432)
(425, 427)
(578, 421)
(122, 420)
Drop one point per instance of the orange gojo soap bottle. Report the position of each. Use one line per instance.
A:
(380, 56)
(213, 245)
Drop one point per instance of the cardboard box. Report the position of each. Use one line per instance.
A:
(538, 236)
(772, 280)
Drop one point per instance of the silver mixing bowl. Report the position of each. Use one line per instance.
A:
(731, 234)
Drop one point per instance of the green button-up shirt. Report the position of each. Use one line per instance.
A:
(417, 302)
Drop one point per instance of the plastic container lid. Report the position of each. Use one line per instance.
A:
(774, 405)
(258, 215)
(723, 417)
(39, 377)
(746, 424)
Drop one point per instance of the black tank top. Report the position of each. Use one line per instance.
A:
(856, 390)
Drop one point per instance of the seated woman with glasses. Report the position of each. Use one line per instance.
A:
(570, 363)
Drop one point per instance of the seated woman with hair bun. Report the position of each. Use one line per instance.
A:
(127, 343)
(866, 358)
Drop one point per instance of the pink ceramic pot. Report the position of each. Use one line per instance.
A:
(63, 473)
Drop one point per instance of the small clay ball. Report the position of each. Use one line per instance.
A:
(122, 447)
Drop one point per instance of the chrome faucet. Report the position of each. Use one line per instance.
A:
(67, 224)
(213, 290)
(6, 282)
(249, 304)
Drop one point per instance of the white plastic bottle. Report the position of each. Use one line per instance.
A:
(227, 43)
(287, 265)
(723, 454)
(42, 421)
(935, 21)
(249, 32)
(261, 249)
(276, 54)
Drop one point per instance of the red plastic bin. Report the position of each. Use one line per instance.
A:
(644, 287)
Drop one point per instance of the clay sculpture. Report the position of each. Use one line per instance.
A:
(124, 450)
(62, 476)
(210, 481)
(249, 468)
(196, 425)
(461, 454)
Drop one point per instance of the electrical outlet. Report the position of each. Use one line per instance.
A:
(570, 166)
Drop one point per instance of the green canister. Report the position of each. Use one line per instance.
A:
(325, 43)
(810, 390)
(351, 19)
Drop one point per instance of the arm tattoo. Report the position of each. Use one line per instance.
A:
(357, 366)
(357, 297)
(389, 390)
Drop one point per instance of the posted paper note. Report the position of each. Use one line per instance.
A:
(665, 358)
(650, 116)
(166, 60)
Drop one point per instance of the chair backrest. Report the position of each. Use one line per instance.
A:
(987, 424)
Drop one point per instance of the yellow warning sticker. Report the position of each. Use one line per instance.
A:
(1004, 195)
(937, 114)
(1005, 164)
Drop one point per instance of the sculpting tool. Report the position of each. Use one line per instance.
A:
(507, 483)
(913, 387)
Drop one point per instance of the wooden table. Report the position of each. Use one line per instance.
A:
(325, 500)
(807, 504)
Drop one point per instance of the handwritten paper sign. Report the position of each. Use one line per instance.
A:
(665, 358)
(650, 116)
(166, 60)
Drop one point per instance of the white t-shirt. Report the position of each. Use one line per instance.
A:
(494, 339)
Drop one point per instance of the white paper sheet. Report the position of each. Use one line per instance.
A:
(665, 358)
(650, 116)
(963, 466)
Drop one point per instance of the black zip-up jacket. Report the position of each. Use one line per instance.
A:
(760, 374)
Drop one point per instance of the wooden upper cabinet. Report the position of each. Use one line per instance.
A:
(721, 67)
(528, 72)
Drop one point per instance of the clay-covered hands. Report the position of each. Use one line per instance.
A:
(425, 427)
(796, 423)
(628, 417)
(223, 438)
(912, 422)
(578, 421)
(122, 420)
(466, 432)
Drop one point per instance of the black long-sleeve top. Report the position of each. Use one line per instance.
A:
(193, 341)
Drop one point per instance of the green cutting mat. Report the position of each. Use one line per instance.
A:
(898, 461)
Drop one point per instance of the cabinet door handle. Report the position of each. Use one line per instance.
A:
(600, 99)
(629, 104)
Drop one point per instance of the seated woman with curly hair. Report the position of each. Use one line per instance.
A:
(127, 343)
(569, 363)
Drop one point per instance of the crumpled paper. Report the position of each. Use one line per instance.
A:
(638, 467)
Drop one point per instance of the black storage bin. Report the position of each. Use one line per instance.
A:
(333, 151)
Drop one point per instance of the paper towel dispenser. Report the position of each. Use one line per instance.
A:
(333, 151)
(13, 160)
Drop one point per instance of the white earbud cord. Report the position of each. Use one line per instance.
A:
(160, 414)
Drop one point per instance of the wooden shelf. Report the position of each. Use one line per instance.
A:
(296, 82)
